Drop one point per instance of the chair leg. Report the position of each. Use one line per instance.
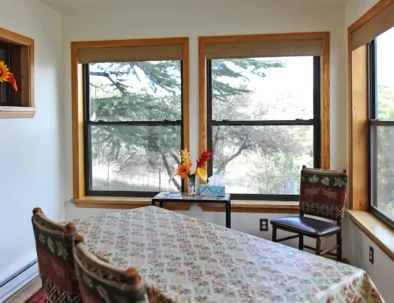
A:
(339, 249)
(301, 242)
(318, 246)
(273, 233)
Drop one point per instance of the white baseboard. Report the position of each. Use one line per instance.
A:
(12, 286)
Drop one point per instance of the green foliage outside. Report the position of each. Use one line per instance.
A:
(384, 152)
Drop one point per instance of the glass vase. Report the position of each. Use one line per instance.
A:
(191, 185)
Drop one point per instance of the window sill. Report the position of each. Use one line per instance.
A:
(17, 112)
(243, 206)
(377, 231)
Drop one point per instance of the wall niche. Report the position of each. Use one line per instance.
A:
(17, 52)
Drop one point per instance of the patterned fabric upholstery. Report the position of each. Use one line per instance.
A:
(101, 282)
(54, 244)
(323, 193)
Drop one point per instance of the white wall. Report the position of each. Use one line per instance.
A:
(354, 9)
(30, 149)
(356, 250)
(209, 20)
(356, 243)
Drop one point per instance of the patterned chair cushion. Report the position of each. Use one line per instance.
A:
(55, 294)
(54, 244)
(323, 193)
(100, 282)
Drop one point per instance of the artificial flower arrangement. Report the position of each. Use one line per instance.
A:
(7, 76)
(184, 169)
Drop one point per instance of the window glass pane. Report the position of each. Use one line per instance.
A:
(135, 91)
(384, 75)
(262, 159)
(383, 161)
(4, 94)
(134, 158)
(262, 88)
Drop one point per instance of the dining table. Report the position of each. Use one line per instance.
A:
(185, 259)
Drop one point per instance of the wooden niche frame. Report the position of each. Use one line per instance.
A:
(21, 50)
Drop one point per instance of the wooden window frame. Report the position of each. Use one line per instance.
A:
(79, 196)
(358, 128)
(22, 58)
(358, 114)
(324, 76)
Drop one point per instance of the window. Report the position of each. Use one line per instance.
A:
(133, 127)
(263, 116)
(130, 116)
(381, 125)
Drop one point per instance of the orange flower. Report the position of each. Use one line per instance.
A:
(184, 169)
(4, 71)
(5, 75)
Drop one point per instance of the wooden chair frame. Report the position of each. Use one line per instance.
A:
(319, 239)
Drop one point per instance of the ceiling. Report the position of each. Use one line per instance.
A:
(77, 5)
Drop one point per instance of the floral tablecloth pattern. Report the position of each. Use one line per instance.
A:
(190, 260)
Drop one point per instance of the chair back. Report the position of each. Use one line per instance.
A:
(323, 193)
(54, 245)
(102, 282)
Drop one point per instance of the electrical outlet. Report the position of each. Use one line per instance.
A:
(371, 254)
(263, 224)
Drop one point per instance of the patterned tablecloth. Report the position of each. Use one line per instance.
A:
(190, 260)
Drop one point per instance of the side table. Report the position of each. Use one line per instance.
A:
(163, 197)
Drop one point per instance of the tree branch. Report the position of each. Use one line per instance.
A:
(223, 165)
(175, 157)
(169, 172)
(106, 75)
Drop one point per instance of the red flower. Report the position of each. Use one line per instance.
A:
(203, 158)
(12, 81)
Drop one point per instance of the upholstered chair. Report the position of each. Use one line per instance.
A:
(323, 193)
(54, 245)
(102, 282)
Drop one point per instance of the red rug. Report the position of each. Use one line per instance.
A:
(37, 297)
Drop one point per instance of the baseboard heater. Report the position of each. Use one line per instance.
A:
(16, 281)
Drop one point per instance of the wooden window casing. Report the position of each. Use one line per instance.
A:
(93, 51)
(377, 20)
(317, 43)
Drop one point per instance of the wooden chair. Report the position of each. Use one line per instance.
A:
(323, 194)
(102, 282)
(54, 244)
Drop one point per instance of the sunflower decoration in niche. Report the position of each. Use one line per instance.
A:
(7, 76)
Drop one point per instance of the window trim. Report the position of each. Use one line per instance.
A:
(77, 91)
(373, 121)
(324, 88)
(358, 192)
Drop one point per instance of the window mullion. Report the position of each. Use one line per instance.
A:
(316, 112)
(209, 117)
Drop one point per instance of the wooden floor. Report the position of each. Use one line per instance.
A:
(26, 291)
